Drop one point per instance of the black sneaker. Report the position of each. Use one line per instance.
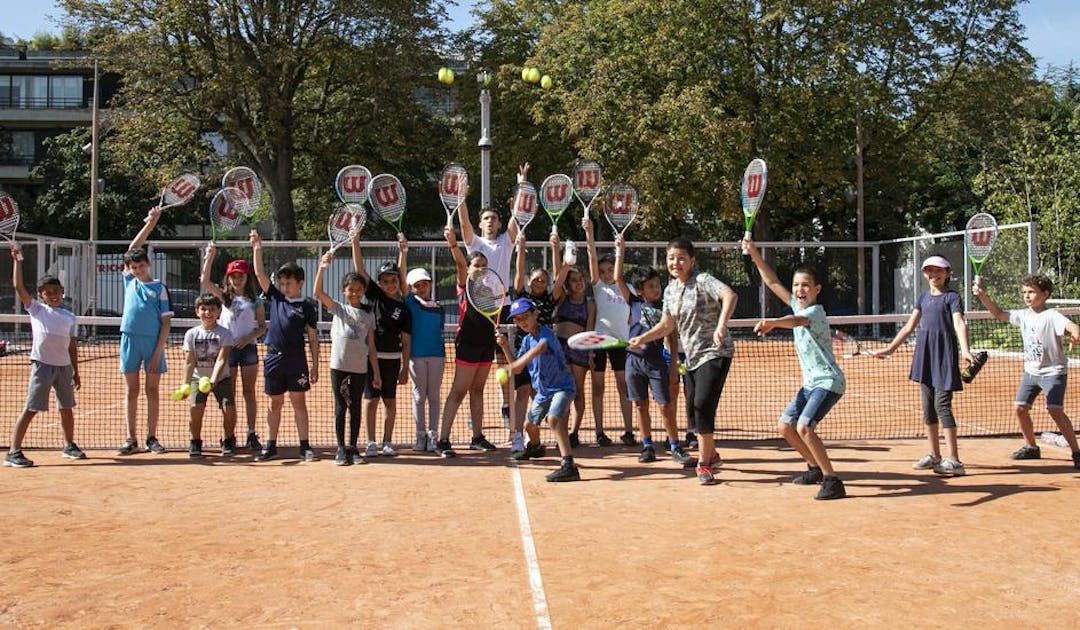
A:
(603, 440)
(648, 454)
(1027, 452)
(574, 440)
(228, 446)
(308, 454)
(130, 447)
(194, 450)
(628, 438)
(480, 443)
(831, 488)
(809, 477)
(154, 446)
(691, 440)
(267, 453)
(532, 451)
(680, 456)
(72, 451)
(17, 460)
(444, 450)
(566, 472)
(253, 444)
(355, 457)
(342, 458)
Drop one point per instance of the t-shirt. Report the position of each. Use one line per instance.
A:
(145, 303)
(695, 307)
(239, 317)
(348, 338)
(548, 371)
(1043, 352)
(206, 345)
(52, 329)
(813, 345)
(643, 316)
(427, 329)
(612, 311)
(286, 333)
(497, 251)
(392, 318)
(545, 312)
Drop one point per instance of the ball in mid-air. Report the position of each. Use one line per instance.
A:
(534, 75)
(502, 377)
(525, 72)
(545, 82)
(449, 76)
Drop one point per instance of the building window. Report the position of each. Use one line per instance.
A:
(17, 147)
(65, 92)
(38, 92)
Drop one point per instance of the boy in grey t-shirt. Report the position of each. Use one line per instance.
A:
(206, 369)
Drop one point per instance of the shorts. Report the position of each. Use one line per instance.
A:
(809, 406)
(1031, 385)
(222, 391)
(389, 370)
(473, 355)
(136, 352)
(243, 357)
(521, 379)
(641, 378)
(616, 355)
(44, 377)
(579, 358)
(557, 405)
(282, 375)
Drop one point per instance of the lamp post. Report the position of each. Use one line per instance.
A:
(485, 144)
(92, 267)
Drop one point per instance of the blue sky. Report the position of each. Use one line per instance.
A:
(1052, 25)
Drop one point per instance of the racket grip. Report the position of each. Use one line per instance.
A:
(977, 282)
(746, 235)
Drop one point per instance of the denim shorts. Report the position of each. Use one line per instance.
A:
(243, 357)
(558, 406)
(809, 406)
(1031, 385)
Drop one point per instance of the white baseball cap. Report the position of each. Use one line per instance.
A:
(936, 261)
(417, 275)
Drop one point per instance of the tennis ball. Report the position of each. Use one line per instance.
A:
(534, 75)
(545, 82)
(449, 76)
(525, 74)
(205, 385)
(502, 377)
(442, 75)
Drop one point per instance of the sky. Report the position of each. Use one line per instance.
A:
(1052, 25)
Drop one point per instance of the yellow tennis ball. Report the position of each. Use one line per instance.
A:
(545, 82)
(534, 75)
(442, 75)
(502, 376)
(449, 76)
(525, 73)
(205, 385)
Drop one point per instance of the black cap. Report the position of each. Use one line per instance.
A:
(389, 267)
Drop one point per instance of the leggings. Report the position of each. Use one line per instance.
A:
(348, 388)
(427, 375)
(937, 404)
(704, 386)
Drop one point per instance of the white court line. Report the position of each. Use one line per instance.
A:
(536, 583)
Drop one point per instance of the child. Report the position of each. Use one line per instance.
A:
(612, 318)
(243, 314)
(352, 338)
(1046, 368)
(823, 381)
(575, 313)
(427, 361)
(541, 354)
(698, 306)
(646, 369)
(206, 350)
(474, 352)
(393, 345)
(285, 368)
(54, 362)
(144, 330)
(936, 366)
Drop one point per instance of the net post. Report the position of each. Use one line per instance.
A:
(1033, 248)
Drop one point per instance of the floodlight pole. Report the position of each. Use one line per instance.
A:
(92, 267)
(485, 144)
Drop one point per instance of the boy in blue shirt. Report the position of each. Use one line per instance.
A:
(285, 367)
(552, 383)
(144, 329)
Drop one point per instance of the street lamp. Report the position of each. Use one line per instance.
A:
(484, 79)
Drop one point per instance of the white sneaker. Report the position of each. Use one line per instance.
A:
(388, 450)
(421, 443)
(949, 466)
(431, 440)
(927, 462)
(372, 450)
(517, 444)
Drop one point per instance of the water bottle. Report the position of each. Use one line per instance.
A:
(1054, 438)
(570, 255)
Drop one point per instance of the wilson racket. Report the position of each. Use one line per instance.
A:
(486, 294)
(592, 340)
(345, 223)
(555, 196)
(453, 184)
(850, 347)
(979, 237)
(387, 197)
(523, 204)
(620, 206)
(9, 217)
(226, 209)
(588, 182)
(179, 191)
(754, 180)
(247, 181)
(351, 184)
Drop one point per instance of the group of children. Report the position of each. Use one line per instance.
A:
(388, 330)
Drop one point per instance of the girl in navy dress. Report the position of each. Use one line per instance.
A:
(939, 316)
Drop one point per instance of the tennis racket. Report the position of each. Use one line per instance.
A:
(247, 181)
(351, 184)
(387, 197)
(588, 182)
(179, 191)
(345, 223)
(9, 217)
(979, 237)
(592, 340)
(556, 196)
(226, 208)
(523, 204)
(453, 185)
(486, 293)
(754, 180)
(851, 347)
(620, 206)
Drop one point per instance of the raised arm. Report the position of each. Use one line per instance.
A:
(205, 281)
(990, 305)
(467, 232)
(148, 227)
(519, 269)
(787, 321)
(459, 257)
(317, 285)
(257, 260)
(358, 259)
(17, 278)
(558, 289)
(556, 259)
(768, 276)
(402, 260)
(620, 278)
(590, 240)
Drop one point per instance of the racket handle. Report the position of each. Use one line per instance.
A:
(746, 235)
(976, 283)
(554, 230)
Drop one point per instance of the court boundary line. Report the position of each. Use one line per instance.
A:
(528, 545)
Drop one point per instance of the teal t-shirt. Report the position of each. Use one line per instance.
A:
(813, 346)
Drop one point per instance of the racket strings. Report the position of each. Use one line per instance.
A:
(9, 214)
(981, 235)
(556, 194)
(351, 184)
(620, 205)
(485, 291)
(524, 204)
(588, 181)
(387, 197)
(452, 186)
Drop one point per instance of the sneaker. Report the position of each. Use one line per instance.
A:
(575, 441)
(228, 447)
(927, 462)
(421, 443)
(628, 438)
(354, 456)
(480, 443)
(705, 476)
(809, 477)
(253, 444)
(531, 451)
(1076, 460)
(714, 464)
(566, 472)
(72, 451)
(603, 440)
(267, 453)
(342, 458)
(691, 440)
(1027, 452)
(517, 444)
(949, 466)
(155, 447)
(372, 450)
(432, 439)
(387, 450)
(194, 450)
(17, 460)
(308, 454)
(444, 450)
(831, 488)
(648, 454)
(680, 456)
(130, 447)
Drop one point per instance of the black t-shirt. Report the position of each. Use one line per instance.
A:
(392, 318)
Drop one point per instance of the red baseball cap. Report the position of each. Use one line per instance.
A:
(238, 266)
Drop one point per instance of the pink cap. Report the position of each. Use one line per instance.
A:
(936, 261)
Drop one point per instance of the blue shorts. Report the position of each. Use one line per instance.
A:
(1031, 385)
(282, 375)
(243, 357)
(641, 377)
(136, 352)
(809, 406)
(558, 406)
